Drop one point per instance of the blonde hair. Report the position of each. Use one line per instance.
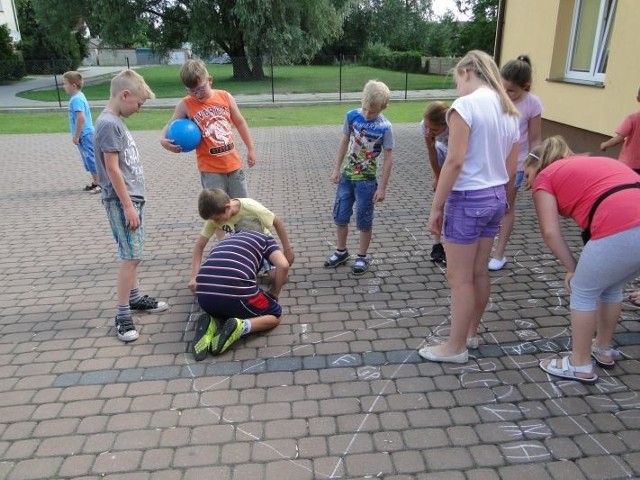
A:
(436, 113)
(250, 223)
(552, 149)
(74, 78)
(483, 67)
(375, 95)
(132, 81)
(193, 72)
(212, 201)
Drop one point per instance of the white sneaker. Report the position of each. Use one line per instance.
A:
(496, 264)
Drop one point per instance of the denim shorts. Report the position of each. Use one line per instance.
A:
(359, 192)
(243, 308)
(441, 152)
(85, 147)
(469, 215)
(130, 242)
(234, 183)
(519, 179)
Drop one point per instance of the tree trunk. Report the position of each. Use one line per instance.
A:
(243, 71)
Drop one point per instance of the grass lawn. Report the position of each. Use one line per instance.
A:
(155, 119)
(164, 80)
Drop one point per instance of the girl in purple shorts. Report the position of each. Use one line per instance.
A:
(471, 197)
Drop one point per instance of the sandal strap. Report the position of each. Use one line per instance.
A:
(609, 352)
(567, 367)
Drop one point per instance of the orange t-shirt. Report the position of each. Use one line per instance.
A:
(217, 152)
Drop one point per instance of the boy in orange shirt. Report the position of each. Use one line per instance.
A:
(215, 112)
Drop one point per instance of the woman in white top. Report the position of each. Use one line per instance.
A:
(471, 197)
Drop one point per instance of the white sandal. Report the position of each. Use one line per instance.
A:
(562, 368)
(615, 355)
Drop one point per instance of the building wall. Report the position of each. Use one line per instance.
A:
(9, 17)
(541, 29)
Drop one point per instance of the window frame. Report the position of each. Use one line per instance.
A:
(601, 43)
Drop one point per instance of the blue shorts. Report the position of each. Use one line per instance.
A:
(85, 146)
(130, 242)
(469, 215)
(243, 308)
(361, 193)
(519, 179)
(441, 152)
(234, 183)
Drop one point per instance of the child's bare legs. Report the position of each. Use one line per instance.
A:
(506, 228)
(342, 231)
(365, 241)
(606, 322)
(127, 280)
(470, 287)
(264, 322)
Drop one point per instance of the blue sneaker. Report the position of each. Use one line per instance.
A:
(360, 266)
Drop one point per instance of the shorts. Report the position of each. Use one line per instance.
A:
(130, 242)
(234, 183)
(441, 152)
(519, 179)
(361, 193)
(469, 215)
(243, 308)
(85, 147)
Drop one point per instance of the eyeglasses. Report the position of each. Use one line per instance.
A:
(198, 90)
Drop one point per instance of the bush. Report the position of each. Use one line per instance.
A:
(11, 67)
(380, 56)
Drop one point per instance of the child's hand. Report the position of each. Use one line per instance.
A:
(379, 195)
(603, 146)
(169, 145)
(192, 285)
(131, 217)
(335, 176)
(251, 158)
(75, 140)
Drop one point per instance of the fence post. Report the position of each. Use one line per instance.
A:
(273, 93)
(55, 79)
(127, 58)
(340, 77)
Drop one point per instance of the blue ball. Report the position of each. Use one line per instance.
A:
(184, 132)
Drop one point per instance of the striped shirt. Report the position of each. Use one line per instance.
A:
(232, 267)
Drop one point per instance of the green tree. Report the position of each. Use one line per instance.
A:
(11, 67)
(52, 41)
(247, 30)
(480, 31)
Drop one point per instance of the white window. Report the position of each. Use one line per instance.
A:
(590, 37)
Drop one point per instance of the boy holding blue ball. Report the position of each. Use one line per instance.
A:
(215, 112)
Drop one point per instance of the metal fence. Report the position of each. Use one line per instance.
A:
(326, 78)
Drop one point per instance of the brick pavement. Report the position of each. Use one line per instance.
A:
(336, 391)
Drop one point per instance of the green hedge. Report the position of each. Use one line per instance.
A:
(398, 61)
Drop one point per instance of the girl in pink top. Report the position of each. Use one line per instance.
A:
(516, 78)
(568, 185)
(629, 133)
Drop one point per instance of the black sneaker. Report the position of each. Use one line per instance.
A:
(337, 259)
(92, 188)
(437, 253)
(125, 329)
(149, 304)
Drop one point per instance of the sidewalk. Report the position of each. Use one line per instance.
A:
(337, 390)
(10, 102)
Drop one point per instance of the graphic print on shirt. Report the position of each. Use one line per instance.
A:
(131, 158)
(216, 128)
(364, 148)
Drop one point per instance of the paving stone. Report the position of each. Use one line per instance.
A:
(337, 390)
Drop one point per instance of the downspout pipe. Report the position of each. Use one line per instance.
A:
(497, 48)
